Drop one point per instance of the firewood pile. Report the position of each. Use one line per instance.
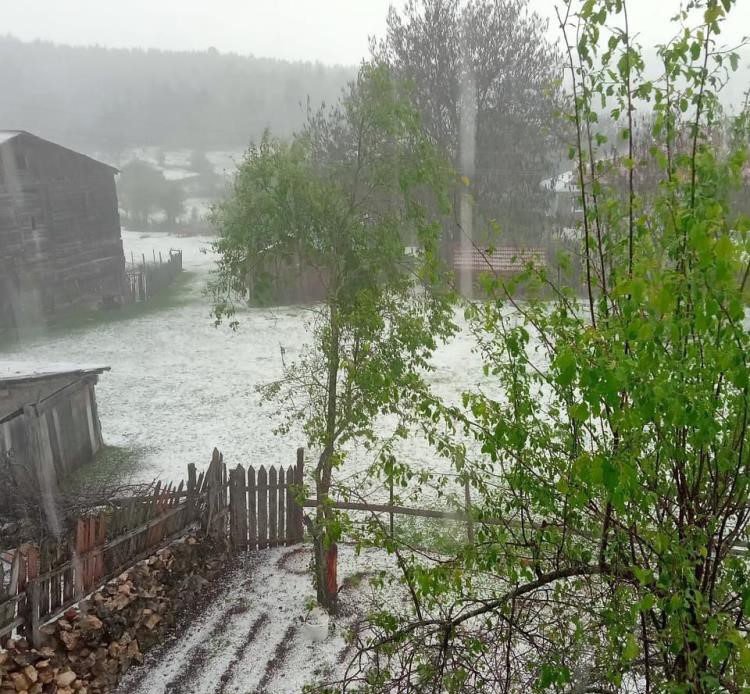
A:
(89, 648)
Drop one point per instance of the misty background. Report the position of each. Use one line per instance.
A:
(104, 76)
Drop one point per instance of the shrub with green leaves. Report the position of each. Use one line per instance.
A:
(618, 560)
(341, 201)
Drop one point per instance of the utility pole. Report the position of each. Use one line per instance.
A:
(467, 154)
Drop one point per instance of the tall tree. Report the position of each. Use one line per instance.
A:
(501, 48)
(172, 201)
(140, 186)
(612, 482)
(338, 202)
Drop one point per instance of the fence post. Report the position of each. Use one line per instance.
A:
(238, 508)
(299, 481)
(281, 501)
(79, 565)
(262, 508)
(390, 503)
(273, 490)
(35, 593)
(252, 496)
(213, 491)
(291, 507)
(191, 492)
(467, 503)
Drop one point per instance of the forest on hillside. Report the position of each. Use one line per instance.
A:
(102, 99)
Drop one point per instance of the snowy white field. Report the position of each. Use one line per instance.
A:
(179, 386)
(176, 163)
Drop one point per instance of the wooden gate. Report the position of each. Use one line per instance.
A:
(264, 506)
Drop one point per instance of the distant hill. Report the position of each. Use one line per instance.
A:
(100, 99)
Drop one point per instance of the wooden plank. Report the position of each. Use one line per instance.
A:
(55, 584)
(17, 622)
(161, 507)
(178, 519)
(192, 491)
(238, 508)
(101, 541)
(224, 494)
(68, 578)
(34, 613)
(299, 481)
(400, 510)
(273, 495)
(252, 517)
(46, 562)
(64, 393)
(80, 550)
(291, 506)
(147, 538)
(11, 601)
(281, 496)
(90, 559)
(262, 508)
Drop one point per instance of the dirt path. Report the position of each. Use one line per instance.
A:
(253, 637)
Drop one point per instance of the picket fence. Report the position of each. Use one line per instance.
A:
(247, 509)
(264, 511)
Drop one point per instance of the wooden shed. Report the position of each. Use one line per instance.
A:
(49, 424)
(60, 243)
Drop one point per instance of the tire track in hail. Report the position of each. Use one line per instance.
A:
(240, 653)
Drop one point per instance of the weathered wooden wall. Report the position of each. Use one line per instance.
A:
(14, 394)
(60, 244)
(51, 437)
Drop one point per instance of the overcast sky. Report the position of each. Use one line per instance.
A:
(332, 31)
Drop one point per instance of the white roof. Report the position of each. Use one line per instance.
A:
(11, 371)
(6, 135)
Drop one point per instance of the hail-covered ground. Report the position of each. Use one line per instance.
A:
(263, 634)
(180, 386)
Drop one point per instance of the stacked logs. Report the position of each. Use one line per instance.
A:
(89, 648)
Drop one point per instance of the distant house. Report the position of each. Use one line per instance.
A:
(60, 244)
(566, 208)
(503, 261)
(566, 200)
(49, 423)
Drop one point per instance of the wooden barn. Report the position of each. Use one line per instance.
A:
(49, 423)
(60, 244)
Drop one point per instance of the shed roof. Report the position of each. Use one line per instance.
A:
(16, 372)
(6, 135)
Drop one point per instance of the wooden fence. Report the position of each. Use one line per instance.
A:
(38, 582)
(146, 279)
(263, 507)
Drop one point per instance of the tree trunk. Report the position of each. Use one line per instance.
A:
(325, 550)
